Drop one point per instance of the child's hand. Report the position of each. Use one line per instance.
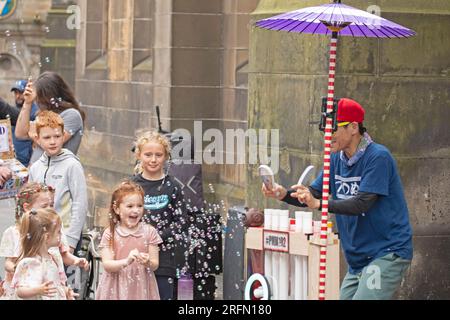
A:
(82, 263)
(2, 291)
(133, 256)
(5, 175)
(32, 133)
(70, 294)
(47, 289)
(144, 259)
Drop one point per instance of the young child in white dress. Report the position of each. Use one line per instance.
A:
(39, 274)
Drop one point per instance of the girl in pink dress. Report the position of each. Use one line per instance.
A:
(129, 249)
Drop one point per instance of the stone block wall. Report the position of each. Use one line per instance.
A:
(21, 36)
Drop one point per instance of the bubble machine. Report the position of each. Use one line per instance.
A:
(291, 263)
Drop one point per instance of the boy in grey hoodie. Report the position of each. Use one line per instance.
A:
(62, 170)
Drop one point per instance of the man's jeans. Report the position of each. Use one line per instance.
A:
(377, 281)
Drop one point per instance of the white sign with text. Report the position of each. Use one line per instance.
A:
(276, 241)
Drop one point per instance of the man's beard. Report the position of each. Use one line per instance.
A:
(20, 105)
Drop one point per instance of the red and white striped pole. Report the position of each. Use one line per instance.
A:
(326, 167)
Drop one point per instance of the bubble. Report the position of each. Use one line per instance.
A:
(238, 253)
(47, 59)
(203, 281)
(236, 286)
(199, 288)
(217, 267)
(8, 33)
(170, 280)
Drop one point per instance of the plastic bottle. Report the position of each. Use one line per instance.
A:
(185, 287)
(330, 227)
(307, 223)
(298, 221)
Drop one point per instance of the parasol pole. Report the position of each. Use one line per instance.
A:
(326, 161)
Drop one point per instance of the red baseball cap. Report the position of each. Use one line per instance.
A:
(350, 111)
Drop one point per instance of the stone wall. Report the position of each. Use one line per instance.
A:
(116, 93)
(21, 36)
(209, 80)
(58, 48)
(196, 71)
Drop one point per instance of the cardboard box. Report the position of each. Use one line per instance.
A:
(6, 143)
(7, 156)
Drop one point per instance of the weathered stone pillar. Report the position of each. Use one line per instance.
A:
(58, 49)
(403, 85)
(120, 39)
(162, 75)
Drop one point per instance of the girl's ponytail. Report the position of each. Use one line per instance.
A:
(33, 228)
(25, 245)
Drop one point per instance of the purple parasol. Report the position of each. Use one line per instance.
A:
(316, 20)
(333, 19)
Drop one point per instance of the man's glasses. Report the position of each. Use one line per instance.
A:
(343, 124)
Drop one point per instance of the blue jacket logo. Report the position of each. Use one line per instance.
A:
(156, 202)
(7, 8)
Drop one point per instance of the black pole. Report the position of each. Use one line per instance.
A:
(159, 120)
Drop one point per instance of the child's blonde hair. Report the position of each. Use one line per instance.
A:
(150, 136)
(33, 228)
(49, 119)
(124, 189)
(27, 195)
